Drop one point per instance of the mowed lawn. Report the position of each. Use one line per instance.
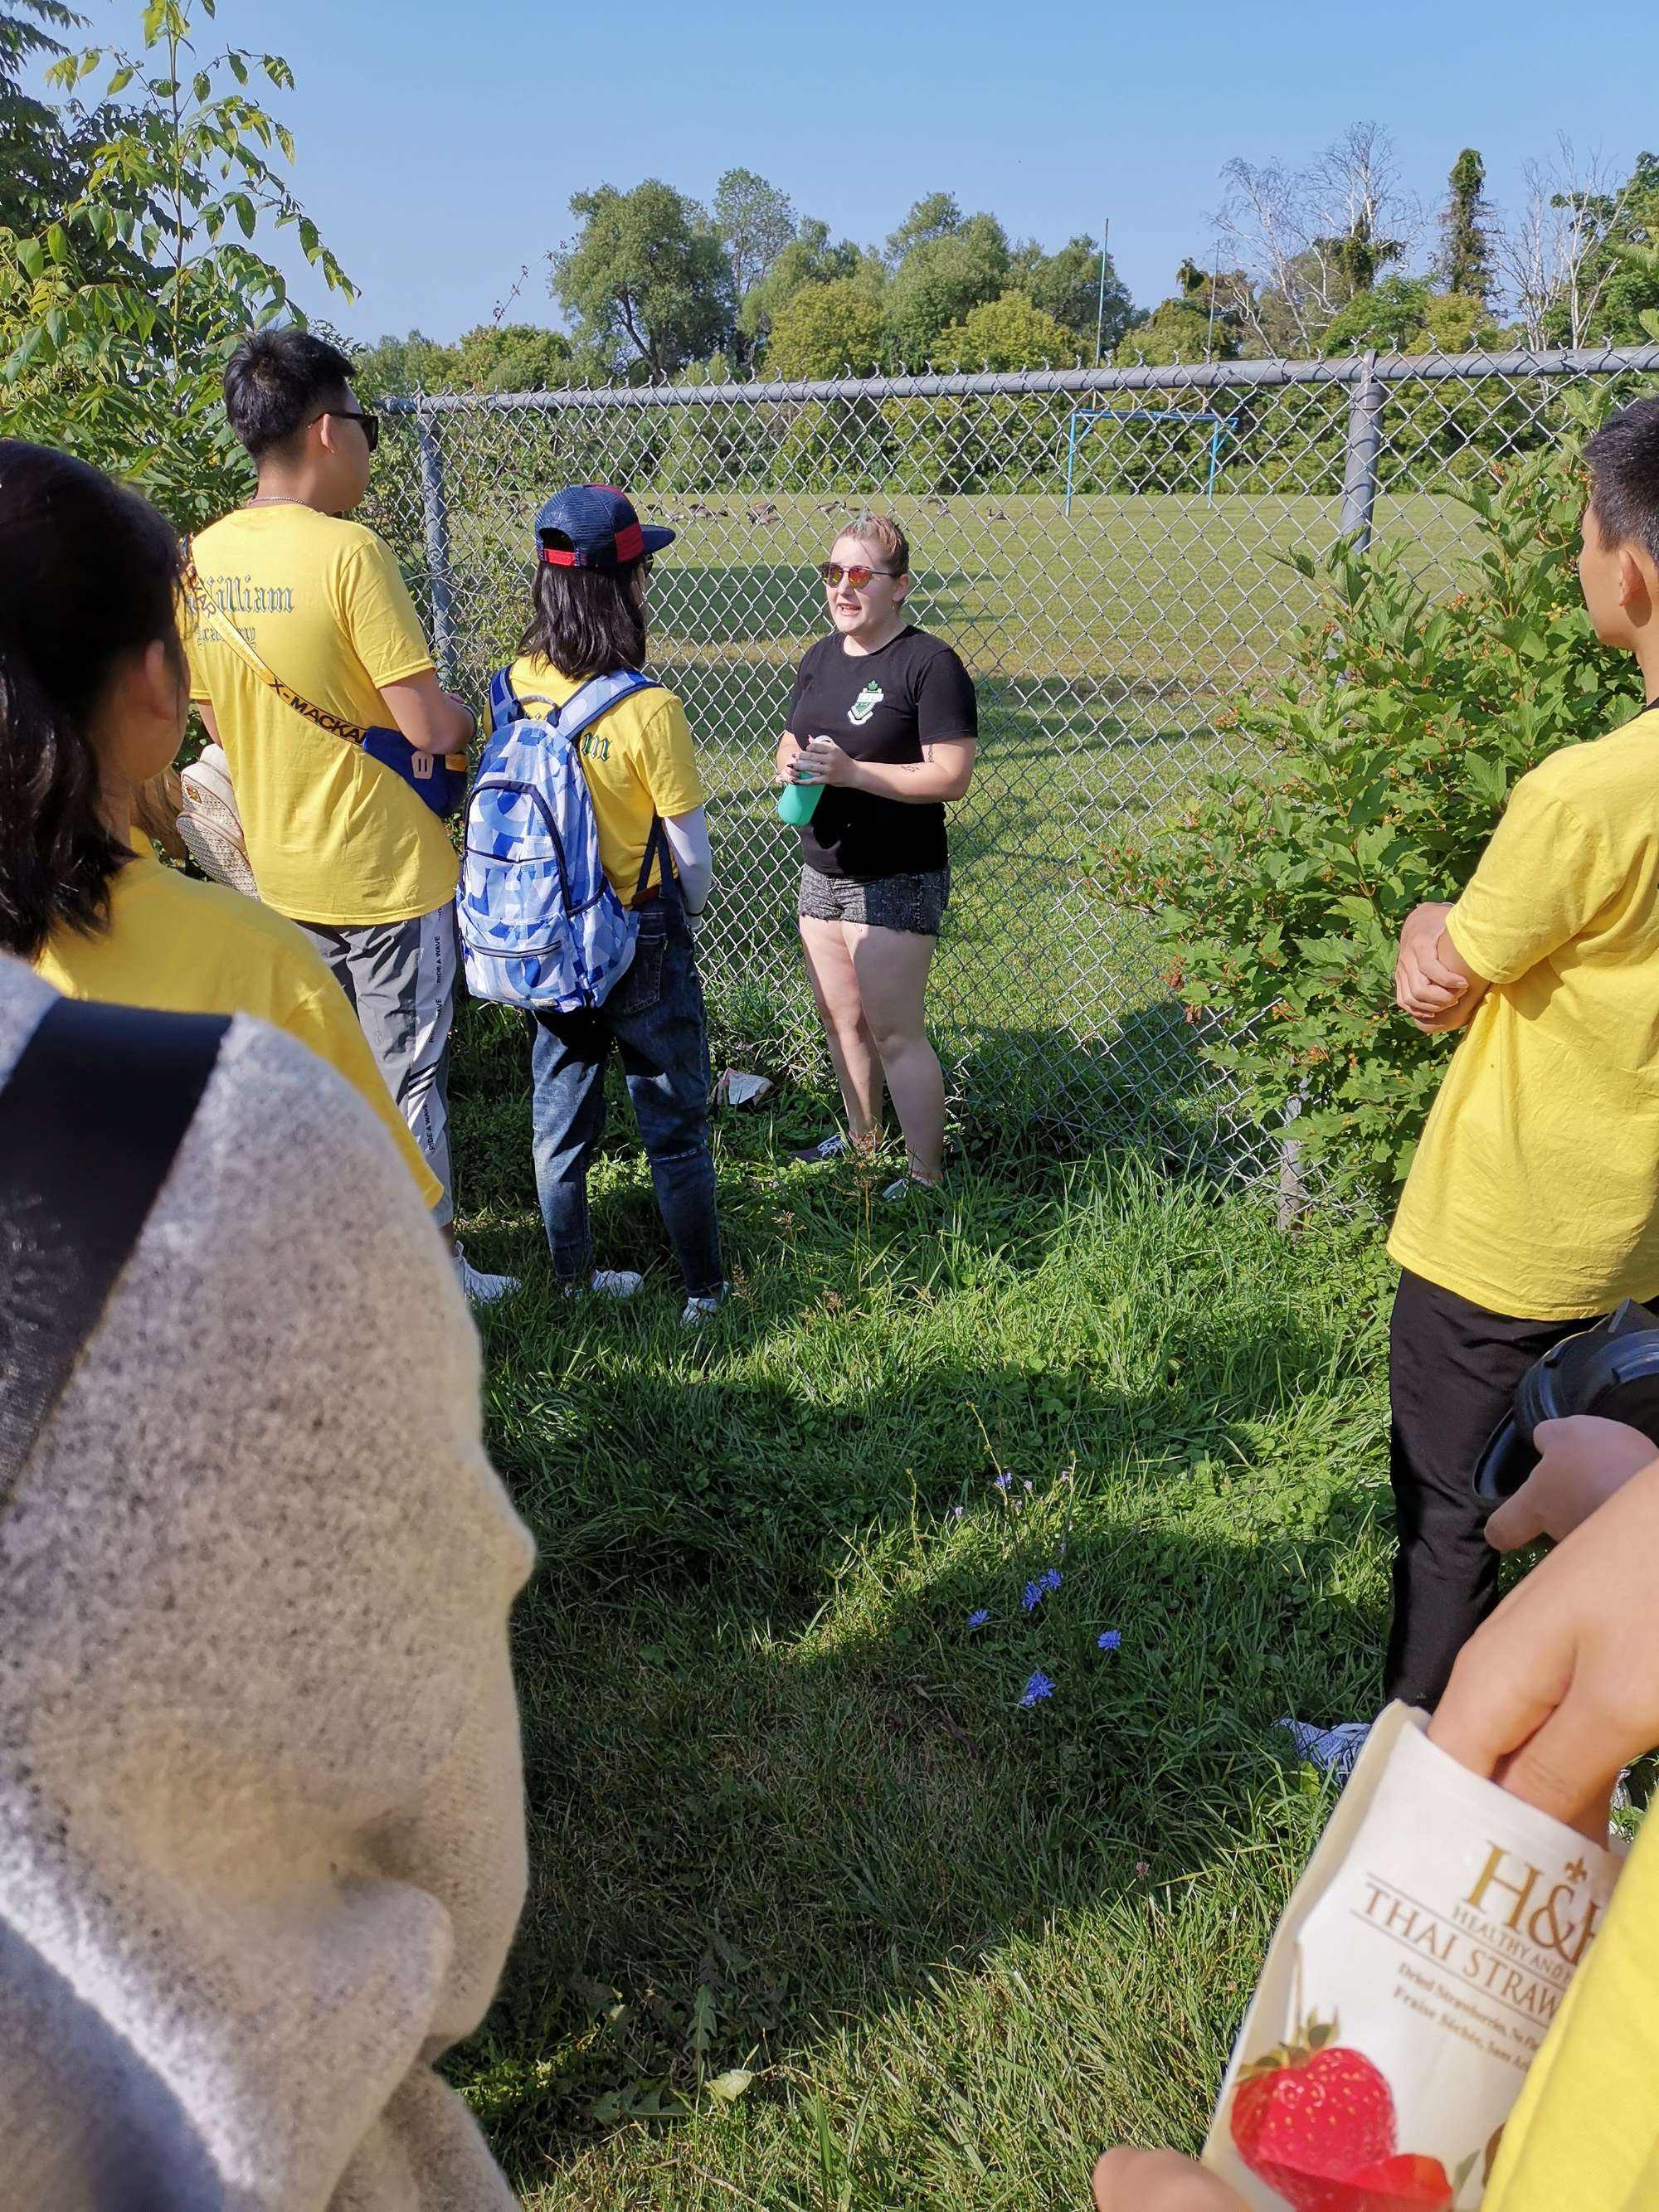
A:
(820, 1915)
(1112, 649)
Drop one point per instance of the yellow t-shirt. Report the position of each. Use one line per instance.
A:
(1584, 2134)
(1534, 1190)
(333, 837)
(188, 948)
(637, 760)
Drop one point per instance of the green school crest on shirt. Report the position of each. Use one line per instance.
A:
(865, 704)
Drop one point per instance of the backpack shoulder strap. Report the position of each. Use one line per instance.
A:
(91, 1118)
(504, 707)
(598, 696)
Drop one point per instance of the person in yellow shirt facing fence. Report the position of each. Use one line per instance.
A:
(1532, 1207)
(93, 705)
(305, 629)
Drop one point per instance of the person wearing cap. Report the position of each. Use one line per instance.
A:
(588, 619)
(335, 841)
(884, 716)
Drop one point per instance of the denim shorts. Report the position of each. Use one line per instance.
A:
(915, 905)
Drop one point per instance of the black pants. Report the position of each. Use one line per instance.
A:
(1452, 1371)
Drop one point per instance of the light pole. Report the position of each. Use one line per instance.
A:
(1100, 309)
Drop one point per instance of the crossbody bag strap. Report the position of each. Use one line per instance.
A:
(350, 734)
(91, 1120)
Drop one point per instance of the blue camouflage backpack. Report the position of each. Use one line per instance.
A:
(540, 925)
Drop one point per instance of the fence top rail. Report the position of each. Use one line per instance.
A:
(1199, 376)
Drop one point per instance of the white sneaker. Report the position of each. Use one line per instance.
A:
(481, 1290)
(608, 1283)
(905, 1186)
(827, 1148)
(698, 1310)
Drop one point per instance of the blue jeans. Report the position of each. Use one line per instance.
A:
(655, 1018)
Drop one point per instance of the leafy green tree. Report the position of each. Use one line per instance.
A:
(1390, 317)
(942, 276)
(1202, 323)
(808, 258)
(828, 330)
(34, 173)
(117, 316)
(1391, 749)
(1464, 265)
(1066, 285)
(647, 279)
(933, 217)
(512, 357)
(756, 221)
(1005, 334)
(1609, 283)
(393, 366)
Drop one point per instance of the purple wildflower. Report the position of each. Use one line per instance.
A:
(1050, 1579)
(1110, 1641)
(1038, 1689)
(1002, 1482)
(978, 1619)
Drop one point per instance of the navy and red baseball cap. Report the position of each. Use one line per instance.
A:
(593, 526)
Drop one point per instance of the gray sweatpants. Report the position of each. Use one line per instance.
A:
(400, 978)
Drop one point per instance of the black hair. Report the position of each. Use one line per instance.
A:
(276, 381)
(586, 622)
(1623, 466)
(89, 573)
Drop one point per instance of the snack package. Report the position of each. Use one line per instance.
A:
(1412, 1980)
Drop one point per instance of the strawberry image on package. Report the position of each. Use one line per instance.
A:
(1409, 1986)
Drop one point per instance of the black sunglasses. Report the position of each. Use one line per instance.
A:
(370, 420)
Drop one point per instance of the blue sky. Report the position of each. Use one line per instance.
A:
(438, 145)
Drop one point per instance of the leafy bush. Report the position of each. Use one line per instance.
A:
(1391, 749)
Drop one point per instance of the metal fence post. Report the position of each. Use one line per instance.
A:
(1364, 443)
(434, 516)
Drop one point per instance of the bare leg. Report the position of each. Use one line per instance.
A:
(891, 966)
(852, 1047)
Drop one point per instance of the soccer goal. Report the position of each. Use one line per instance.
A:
(1083, 420)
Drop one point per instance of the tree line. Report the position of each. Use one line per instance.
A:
(1329, 258)
(139, 198)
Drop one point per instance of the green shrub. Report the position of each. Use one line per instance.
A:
(1391, 748)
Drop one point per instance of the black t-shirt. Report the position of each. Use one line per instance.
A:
(883, 706)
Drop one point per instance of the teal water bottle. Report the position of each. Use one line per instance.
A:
(797, 803)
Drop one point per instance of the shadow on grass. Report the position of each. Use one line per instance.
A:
(775, 1780)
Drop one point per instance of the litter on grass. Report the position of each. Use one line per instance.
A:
(736, 1087)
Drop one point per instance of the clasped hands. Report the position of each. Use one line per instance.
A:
(821, 760)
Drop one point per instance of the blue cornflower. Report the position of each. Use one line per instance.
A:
(978, 1619)
(1109, 1640)
(1050, 1579)
(1038, 1689)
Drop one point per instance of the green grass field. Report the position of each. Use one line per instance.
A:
(788, 1819)
(1106, 645)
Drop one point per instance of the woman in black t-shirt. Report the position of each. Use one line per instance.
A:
(885, 717)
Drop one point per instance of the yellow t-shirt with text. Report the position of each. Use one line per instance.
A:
(1534, 1190)
(334, 838)
(1584, 2134)
(637, 761)
(181, 947)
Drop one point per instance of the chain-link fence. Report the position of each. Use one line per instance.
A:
(1106, 550)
